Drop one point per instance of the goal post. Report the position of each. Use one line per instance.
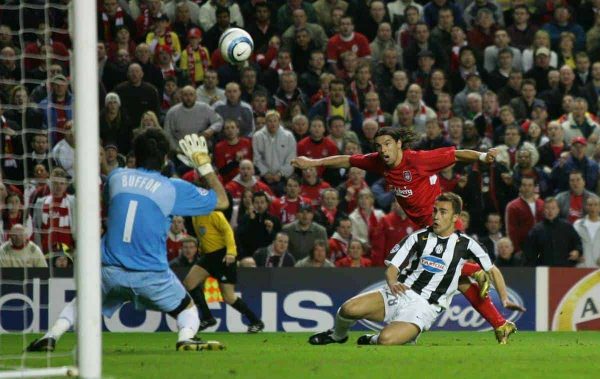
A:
(87, 171)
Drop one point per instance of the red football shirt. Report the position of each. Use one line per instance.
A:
(414, 180)
(575, 208)
(226, 153)
(285, 209)
(324, 148)
(336, 46)
(313, 193)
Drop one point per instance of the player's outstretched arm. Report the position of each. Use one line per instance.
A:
(196, 155)
(336, 161)
(500, 286)
(471, 156)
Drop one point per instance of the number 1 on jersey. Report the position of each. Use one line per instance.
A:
(129, 221)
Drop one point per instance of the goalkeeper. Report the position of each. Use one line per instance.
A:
(141, 203)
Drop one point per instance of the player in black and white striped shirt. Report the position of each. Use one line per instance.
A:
(422, 277)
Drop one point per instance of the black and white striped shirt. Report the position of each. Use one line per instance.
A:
(431, 265)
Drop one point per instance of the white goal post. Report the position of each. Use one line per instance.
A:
(87, 172)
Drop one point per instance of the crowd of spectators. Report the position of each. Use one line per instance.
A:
(522, 76)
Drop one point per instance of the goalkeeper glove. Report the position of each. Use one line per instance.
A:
(195, 153)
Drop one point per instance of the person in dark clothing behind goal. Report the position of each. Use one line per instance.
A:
(419, 292)
(218, 260)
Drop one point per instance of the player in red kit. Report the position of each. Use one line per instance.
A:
(412, 175)
(231, 151)
(316, 145)
(287, 206)
(312, 186)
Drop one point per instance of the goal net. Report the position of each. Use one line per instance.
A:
(49, 188)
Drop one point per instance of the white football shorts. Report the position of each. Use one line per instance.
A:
(409, 307)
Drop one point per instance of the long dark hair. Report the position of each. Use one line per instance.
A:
(150, 149)
(405, 135)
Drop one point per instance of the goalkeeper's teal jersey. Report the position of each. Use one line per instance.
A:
(140, 205)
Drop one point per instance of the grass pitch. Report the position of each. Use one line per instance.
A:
(288, 355)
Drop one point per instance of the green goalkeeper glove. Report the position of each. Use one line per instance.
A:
(195, 153)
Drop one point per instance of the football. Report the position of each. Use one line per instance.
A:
(236, 45)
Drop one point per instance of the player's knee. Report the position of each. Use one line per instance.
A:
(386, 337)
(350, 309)
(190, 282)
(229, 298)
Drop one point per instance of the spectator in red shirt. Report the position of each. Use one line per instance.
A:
(316, 145)
(339, 241)
(523, 213)
(394, 227)
(312, 186)
(350, 188)
(287, 206)
(482, 34)
(121, 41)
(246, 179)
(231, 151)
(347, 39)
(328, 213)
(54, 215)
(355, 258)
(177, 234)
(32, 51)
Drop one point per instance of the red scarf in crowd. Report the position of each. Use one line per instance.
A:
(192, 62)
(56, 222)
(165, 104)
(7, 148)
(329, 214)
(351, 205)
(168, 72)
(354, 92)
(377, 116)
(146, 15)
(275, 66)
(370, 220)
(119, 21)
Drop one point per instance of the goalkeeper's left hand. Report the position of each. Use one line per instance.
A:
(196, 153)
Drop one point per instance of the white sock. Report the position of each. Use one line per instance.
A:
(341, 327)
(188, 323)
(66, 319)
(374, 339)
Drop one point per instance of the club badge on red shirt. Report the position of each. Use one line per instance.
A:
(407, 175)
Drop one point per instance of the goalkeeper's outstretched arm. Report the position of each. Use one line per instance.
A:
(217, 186)
(336, 161)
(196, 155)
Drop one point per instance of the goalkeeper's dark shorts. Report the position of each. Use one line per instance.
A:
(213, 263)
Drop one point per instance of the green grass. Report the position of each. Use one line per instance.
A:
(287, 355)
